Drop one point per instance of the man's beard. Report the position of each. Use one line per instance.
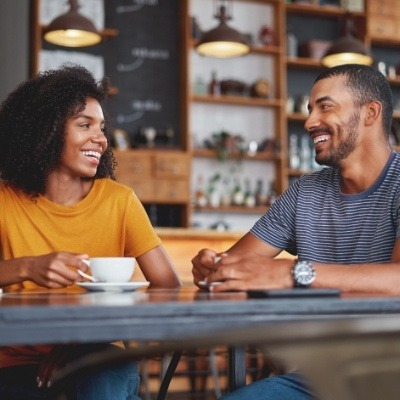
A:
(346, 146)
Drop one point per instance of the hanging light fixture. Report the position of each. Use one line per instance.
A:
(72, 29)
(347, 49)
(223, 41)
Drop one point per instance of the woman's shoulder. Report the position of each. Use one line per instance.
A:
(111, 185)
(111, 188)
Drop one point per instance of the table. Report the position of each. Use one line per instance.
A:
(35, 317)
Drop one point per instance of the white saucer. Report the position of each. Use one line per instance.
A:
(112, 286)
(205, 285)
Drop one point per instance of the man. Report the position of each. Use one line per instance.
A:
(343, 222)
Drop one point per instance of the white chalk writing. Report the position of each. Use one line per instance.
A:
(146, 105)
(137, 5)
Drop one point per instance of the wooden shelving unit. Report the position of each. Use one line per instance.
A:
(273, 105)
(260, 156)
(238, 100)
(364, 32)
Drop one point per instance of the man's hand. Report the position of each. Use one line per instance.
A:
(204, 264)
(250, 271)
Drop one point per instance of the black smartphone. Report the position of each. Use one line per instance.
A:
(288, 293)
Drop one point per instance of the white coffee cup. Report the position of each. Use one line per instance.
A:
(112, 269)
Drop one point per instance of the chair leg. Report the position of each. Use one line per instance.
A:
(169, 373)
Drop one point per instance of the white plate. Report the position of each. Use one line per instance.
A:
(112, 286)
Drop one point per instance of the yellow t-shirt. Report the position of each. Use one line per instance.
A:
(109, 221)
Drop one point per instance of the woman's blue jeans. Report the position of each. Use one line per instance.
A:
(283, 387)
(116, 383)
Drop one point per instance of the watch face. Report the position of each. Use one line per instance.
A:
(303, 273)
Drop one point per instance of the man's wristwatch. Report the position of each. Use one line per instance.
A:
(303, 274)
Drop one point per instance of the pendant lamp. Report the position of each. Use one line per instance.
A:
(347, 50)
(223, 41)
(72, 29)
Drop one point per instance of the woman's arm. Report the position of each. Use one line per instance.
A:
(158, 269)
(48, 270)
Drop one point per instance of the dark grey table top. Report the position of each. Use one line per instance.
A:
(161, 314)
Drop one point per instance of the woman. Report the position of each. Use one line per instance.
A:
(59, 204)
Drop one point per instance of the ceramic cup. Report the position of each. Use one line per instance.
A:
(112, 269)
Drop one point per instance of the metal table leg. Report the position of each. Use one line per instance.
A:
(236, 367)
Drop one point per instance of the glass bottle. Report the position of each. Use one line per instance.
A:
(237, 194)
(214, 87)
(226, 198)
(200, 87)
(200, 196)
(305, 153)
(294, 157)
(261, 198)
(272, 196)
(249, 197)
(291, 44)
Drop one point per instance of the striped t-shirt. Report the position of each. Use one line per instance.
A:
(314, 220)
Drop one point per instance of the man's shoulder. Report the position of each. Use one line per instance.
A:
(325, 174)
(396, 159)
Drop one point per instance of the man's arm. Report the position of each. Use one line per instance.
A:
(249, 265)
(370, 278)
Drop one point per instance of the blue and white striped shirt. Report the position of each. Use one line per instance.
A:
(314, 220)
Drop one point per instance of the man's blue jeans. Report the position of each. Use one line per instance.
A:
(116, 383)
(283, 387)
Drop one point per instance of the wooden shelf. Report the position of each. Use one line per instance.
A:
(261, 156)
(233, 209)
(396, 115)
(304, 62)
(297, 117)
(109, 33)
(385, 42)
(265, 50)
(395, 82)
(237, 100)
(316, 10)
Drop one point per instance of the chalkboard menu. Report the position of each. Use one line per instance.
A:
(143, 64)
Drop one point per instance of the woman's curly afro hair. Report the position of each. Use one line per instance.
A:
(32, 126)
